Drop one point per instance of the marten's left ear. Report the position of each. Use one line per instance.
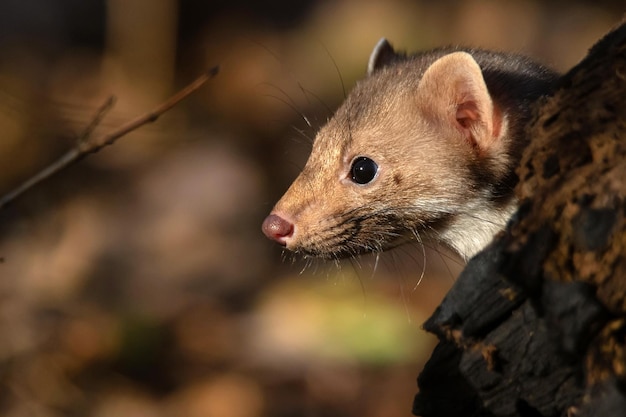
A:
(454, 85)
(383, 54)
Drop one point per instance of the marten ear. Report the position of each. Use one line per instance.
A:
(382, 55)
(454, 85)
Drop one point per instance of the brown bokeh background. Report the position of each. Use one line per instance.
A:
(137, 282)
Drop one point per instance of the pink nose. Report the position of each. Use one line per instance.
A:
(277, 228)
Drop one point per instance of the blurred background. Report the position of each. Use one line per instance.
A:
(137, 282)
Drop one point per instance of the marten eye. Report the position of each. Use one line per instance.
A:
(363, 170)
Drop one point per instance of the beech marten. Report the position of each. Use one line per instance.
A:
(425, 146)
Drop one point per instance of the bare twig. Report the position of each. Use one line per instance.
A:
(100, 114)
(86, 145)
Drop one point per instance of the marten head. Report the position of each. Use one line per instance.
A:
(416, 150)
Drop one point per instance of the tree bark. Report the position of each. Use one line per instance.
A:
(536, 324)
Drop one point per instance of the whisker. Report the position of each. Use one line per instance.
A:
(450, 274)
(306, 265)
(376, 259)
(352, 260)
(290, 105)
(317, 98)
(343, 86)
(419, 239)
(302, 133)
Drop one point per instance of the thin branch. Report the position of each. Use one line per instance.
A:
(100, 114)
(86, 146)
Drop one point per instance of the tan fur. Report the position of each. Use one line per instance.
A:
(427, 129)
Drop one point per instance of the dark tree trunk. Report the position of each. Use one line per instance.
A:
(536, 324)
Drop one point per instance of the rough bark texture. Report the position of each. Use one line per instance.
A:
(536, 324)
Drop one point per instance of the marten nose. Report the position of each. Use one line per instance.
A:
(277, 228)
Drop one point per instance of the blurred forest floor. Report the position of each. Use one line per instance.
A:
(137, 282)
